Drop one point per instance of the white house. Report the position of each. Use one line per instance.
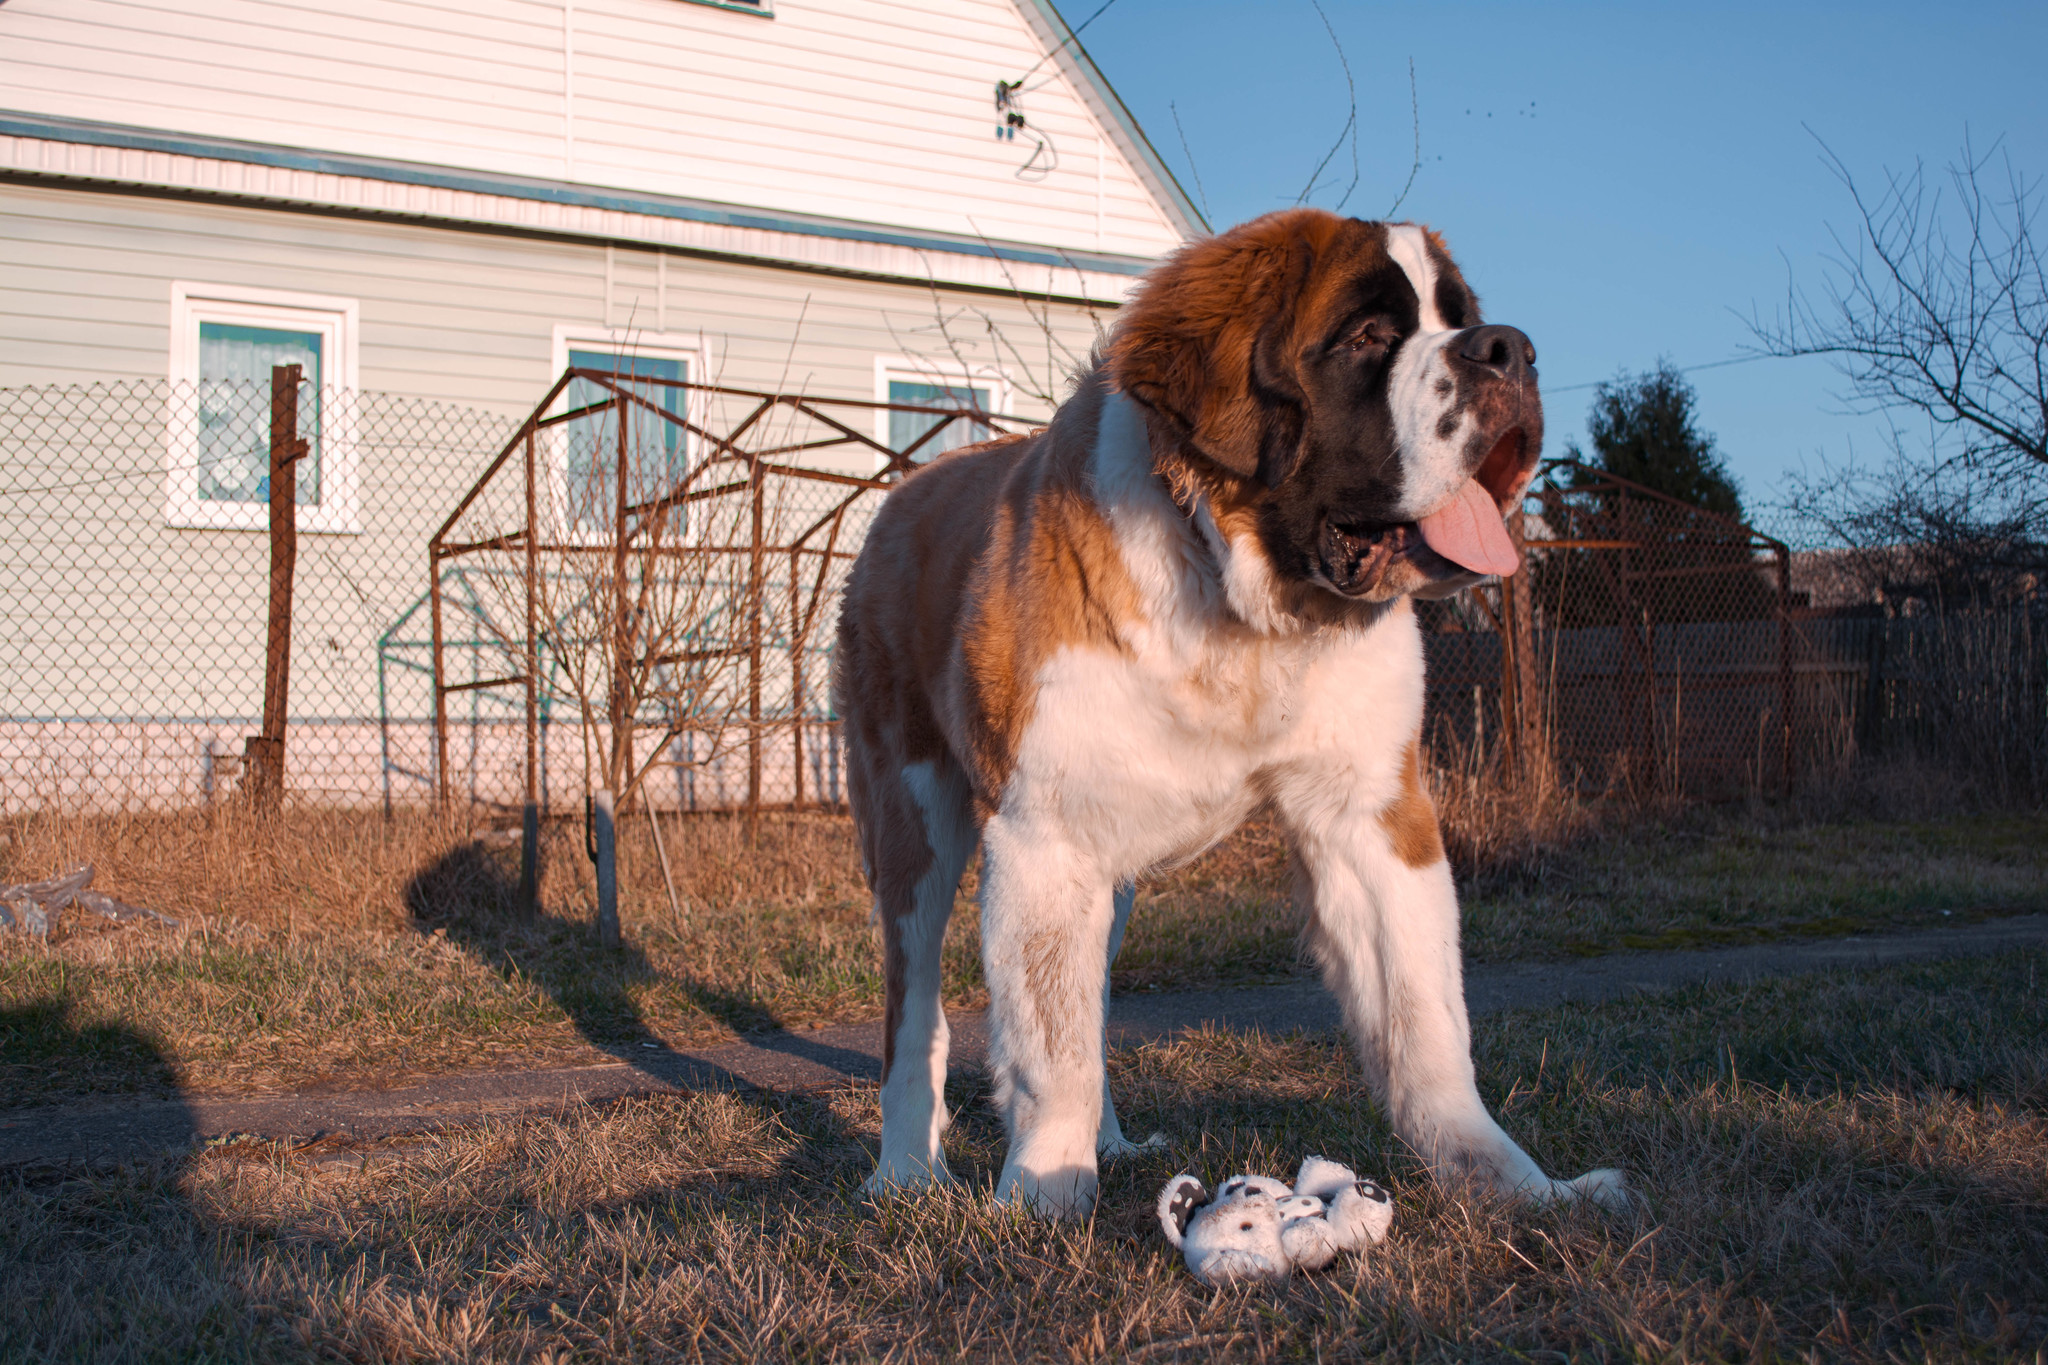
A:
(446, 201)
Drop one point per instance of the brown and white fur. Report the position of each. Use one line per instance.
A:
(1096, 650)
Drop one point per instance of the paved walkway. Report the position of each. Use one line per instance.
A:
(114, 1131)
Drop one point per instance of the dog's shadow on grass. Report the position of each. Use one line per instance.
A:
(471, 894)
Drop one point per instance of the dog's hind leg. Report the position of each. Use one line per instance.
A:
(1110, 1142)
(915, 872)
(1046, 915)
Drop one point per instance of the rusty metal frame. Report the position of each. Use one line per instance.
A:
(730, 467)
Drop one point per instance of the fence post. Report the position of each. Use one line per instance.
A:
(529, 824)
(1869, 727)
(796, 687)
(1785, 670)
(625, 632)
(1520, 705)
(444, 789)
(754, 586)
(604, 846)
(264, 753)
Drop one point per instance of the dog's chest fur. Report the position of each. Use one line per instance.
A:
(1210, 699)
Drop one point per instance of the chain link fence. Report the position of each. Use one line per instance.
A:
(1651, 649)
(1647, 648)
(134, 579)
(666, 630)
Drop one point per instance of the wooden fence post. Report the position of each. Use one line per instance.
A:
(264, 753)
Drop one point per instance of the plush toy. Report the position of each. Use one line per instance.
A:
(1256, 1228)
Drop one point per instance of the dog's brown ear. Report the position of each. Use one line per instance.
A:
(1277, 396)
(1208, 343)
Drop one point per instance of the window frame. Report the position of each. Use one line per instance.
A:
(338, 320)
(692, 350)
(922, 370)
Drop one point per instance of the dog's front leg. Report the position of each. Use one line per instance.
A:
(1385, 925)
(1110, 1141)
(1046, 915)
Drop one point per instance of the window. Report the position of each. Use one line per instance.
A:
(930, 384)
(585, 456)
(224, 341)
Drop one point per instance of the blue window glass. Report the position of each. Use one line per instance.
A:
(906, 427)
(657, 451)
(234, 409)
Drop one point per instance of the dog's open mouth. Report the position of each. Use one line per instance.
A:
(1354, 557)
(1467, 529)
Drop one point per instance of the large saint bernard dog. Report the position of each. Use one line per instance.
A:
(1096, 650)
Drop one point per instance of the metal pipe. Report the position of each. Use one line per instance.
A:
(529, 817)
(443, 791)
(754, 663)
(796, 688)
(620, 763)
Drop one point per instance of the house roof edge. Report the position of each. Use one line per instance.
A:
(16, 123)
(1123, 125)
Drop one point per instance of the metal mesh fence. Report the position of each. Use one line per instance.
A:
(1647, 647)
(134, 576)
(664, 561)
(1650, 648)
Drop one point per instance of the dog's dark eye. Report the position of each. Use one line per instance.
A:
(1374, 334)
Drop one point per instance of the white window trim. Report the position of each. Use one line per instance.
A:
(693, 350)
(338, 320)
(923, 370)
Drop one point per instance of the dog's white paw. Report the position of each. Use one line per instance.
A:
(906, 1177)
(1605, 1188)
(1066, 1193)
(1121, 1147)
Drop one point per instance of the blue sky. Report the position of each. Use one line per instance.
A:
(1623, 182)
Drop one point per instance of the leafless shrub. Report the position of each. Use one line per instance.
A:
(649, 617)
(1936, 304)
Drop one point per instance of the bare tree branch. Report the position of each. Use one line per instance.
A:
(1936, 303)
(1349, 130)
(1415, 123)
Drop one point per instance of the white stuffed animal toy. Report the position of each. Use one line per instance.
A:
(1256, 1228)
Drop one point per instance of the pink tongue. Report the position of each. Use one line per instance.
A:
(1468, 531)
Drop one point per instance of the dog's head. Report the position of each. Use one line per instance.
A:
(1329, 386)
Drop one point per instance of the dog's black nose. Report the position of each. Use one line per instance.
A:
(1502, 349)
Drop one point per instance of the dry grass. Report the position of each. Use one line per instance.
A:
(1703, 878)
(1853, 1168)
(350, 948)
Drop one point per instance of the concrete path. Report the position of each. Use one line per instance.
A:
(114, 1131)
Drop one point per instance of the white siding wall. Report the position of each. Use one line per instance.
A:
(110, 613)
(458, 316)
(874, 110)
